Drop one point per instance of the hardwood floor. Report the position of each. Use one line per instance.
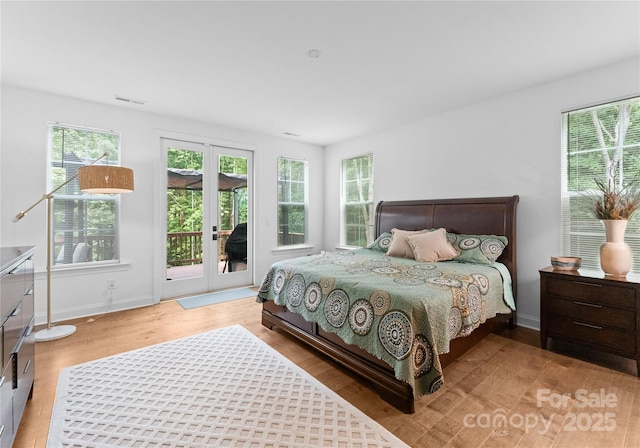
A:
(506, 379)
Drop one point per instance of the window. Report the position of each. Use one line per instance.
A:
(357, 201)
(597, 142)
(85, 226)
(292, 201)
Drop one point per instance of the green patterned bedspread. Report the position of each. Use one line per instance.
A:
(402, 311)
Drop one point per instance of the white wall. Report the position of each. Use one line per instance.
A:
(509, 145)
(23, 166)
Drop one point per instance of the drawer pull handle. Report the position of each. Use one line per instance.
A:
(14, 368)
(588, 284)
(26, 367)
(588, 325)
(2, 378)
(592, 305)
(1, 430)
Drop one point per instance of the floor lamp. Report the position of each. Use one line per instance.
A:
(99, 179)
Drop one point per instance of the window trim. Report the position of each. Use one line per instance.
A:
(304, 243)
(116, 199)
(583, 247)
(343, 197)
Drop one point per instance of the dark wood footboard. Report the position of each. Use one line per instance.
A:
(475, 216)
(380, 375)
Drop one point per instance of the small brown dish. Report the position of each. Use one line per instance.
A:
(566, 263)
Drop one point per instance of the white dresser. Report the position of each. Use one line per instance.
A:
(18, 338)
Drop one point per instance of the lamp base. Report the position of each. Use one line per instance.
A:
(53, 333)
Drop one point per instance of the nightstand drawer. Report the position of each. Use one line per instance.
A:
(592, 313)
(573, 329)
(592, 292)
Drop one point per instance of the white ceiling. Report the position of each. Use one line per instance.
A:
(245, 64)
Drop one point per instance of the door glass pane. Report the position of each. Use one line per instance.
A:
(232, 218)
(184, 213)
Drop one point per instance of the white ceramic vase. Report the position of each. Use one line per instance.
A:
(615, 254)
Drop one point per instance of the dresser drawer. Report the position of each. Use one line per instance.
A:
(11, 333)
(596, 314)
(18, 339)
(28, 306)
(576, 330)
(24, 368)
(12, 288)
(6, 410)
(595, 293)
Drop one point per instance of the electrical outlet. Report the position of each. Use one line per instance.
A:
(111, 284)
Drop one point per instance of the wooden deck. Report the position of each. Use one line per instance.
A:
(195, 270)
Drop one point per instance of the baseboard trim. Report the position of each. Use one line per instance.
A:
(94, 310)
(531, 322)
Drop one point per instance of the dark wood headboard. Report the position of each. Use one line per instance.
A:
(475, 216)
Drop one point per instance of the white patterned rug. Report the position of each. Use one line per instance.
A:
(221, 388)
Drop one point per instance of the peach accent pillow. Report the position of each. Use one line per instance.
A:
(432, 246)
(399, 246)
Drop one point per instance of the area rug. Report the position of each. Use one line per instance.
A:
(220, 388)
(216, 297)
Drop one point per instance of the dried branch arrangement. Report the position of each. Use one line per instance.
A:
(614, 203)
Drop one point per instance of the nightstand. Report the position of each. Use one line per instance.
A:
(590, 309)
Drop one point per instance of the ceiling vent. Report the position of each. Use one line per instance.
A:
(129, 100)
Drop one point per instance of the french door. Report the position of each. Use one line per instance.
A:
(208, 225)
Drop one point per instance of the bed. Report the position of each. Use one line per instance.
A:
(368, 310)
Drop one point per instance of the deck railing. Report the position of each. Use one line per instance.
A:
(86, 249)
(183, 248)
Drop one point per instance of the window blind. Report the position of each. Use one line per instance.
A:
(597, 142)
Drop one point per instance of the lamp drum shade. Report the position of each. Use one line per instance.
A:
(105, 179)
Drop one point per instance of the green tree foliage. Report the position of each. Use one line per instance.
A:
(184, 207)
(358, 185)
(603, 148)
(603, 141)
(291, 201)
(227, 220)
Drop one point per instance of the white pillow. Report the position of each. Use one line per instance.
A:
(399, 246)
(432, 246)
